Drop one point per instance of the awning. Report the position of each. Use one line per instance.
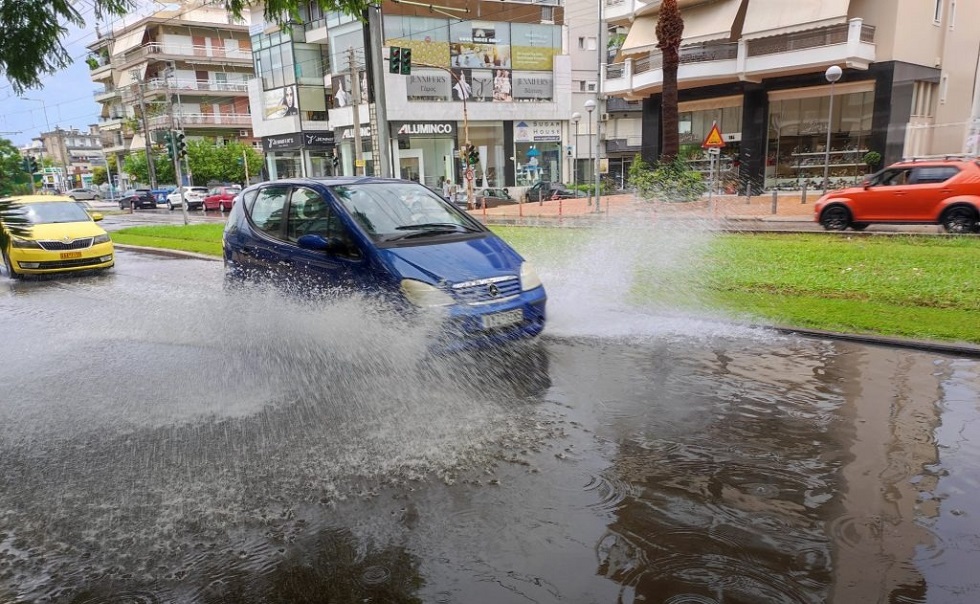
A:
(642, 37)
(138, 143)
(128, 40)
(709, 22)
(777, 17)
(124, 78)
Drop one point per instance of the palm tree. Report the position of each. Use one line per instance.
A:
(670, 30)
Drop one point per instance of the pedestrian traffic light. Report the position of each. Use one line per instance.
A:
(406, 63)
(181, 145)
(335, 160)
(394, 60)
(32, 164)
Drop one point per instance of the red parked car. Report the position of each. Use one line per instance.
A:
(221, 197)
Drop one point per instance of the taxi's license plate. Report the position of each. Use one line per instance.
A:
(503, 319)
(69, 255)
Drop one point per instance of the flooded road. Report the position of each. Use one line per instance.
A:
(162, 440)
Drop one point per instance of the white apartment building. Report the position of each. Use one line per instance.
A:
(756, 68)
(192, 52)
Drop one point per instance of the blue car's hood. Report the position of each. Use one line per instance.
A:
(455, 261)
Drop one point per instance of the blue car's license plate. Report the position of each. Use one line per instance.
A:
(503, 319)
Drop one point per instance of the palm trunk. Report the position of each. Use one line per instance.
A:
(670, 136)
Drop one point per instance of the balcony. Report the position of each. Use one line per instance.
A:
(700, 64)
(192, 86)
(105, 94)
(203, 120)
(186, 52)
(850, 44)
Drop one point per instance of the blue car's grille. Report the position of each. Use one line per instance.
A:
(485, 291)
(57, 246)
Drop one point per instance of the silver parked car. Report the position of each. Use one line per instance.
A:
(84, 194)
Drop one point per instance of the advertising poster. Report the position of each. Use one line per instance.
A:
(473, 85)
(280, 102)
(476, 44)
(503, 90)
(534, 46)
(341, 90)
(534, 85)
(429, 85)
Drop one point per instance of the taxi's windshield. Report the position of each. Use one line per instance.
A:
(51, 212)
(393, 211)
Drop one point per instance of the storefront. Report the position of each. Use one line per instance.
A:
(345, 146)
(423, 149)
(694, 123)
(320, 153)
(797, 136)
(283, 155)
(488, 138)
(537, 151)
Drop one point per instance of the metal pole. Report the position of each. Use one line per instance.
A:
(377, 72)
(600, 50)
(826, 161)
(108, 172)
(355, 84)
(245, 163)
(150, 168)
(173, 145)
(575, 159)
(466, 132)
(592, 172)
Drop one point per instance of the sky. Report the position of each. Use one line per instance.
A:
(67, 95)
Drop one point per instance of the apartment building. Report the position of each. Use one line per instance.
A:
(73, 153)
(520, 70)
(191, 54)
(756, 68)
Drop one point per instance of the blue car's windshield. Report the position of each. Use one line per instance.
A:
(54, 211)
(390, 211)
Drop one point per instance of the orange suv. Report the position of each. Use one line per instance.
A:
(945, 192)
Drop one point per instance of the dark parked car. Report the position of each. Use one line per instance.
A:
(137, 198)
(543, 191)
(491, 198)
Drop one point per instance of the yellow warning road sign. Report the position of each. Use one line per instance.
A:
(714, 138)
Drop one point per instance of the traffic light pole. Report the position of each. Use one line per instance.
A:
(355, 95)
(175, 156)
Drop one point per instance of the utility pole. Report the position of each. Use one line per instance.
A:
(150, 168)
(373, 42)
(172, 142)
(355, 84)
(600, 109)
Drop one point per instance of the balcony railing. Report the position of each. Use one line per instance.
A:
(203, 119)
(100, 92)
(199, 85)
(827, 36)
(183, 50)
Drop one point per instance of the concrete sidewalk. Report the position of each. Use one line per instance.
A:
(788, 207)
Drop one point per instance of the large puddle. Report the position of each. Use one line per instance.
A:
(161, 441)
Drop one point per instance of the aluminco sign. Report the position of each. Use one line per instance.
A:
(429, 128)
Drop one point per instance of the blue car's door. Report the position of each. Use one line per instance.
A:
(335, 268)
(261, 251)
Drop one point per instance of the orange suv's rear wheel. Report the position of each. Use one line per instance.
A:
(960, 219)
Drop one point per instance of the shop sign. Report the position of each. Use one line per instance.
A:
(533, 131)
(424, 128)
(281, 142)
(323, 138)
(429, 85)
(539, 85)
(347, 133)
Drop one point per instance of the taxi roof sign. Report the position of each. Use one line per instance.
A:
(714, 138)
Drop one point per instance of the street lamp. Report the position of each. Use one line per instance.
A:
(576, 117)
(832, 74)
(590, 107)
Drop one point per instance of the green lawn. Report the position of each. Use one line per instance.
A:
(917, 287)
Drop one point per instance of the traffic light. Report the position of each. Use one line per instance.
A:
(394, 60)
(406, 62)
(32, 164)
(335, 160)
(181, 145)
(168, 139)
(469, 155)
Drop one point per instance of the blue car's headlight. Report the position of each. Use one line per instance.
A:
(529, 278)
(424, 295)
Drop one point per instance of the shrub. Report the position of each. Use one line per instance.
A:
(672, 181)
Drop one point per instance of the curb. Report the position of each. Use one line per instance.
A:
(159, 251)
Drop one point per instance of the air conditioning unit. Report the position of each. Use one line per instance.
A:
(243, 133)
(603, 117)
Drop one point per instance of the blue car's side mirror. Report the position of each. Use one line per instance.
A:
(319, 243)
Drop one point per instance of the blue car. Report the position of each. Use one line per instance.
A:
(390, 237)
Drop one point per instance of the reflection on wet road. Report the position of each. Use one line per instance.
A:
(164, 441)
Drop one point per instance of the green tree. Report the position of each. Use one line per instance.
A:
(135, 166)
(670, 32)
(672, 181)
(13, 177)
(32, 31)
(212, 163)
(100, 175)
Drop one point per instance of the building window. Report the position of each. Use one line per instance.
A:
(590, 86)
(952, 13)
(581, 43)
(943, 89)
(937, 15)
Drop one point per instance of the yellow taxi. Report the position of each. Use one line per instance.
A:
(44, 234)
